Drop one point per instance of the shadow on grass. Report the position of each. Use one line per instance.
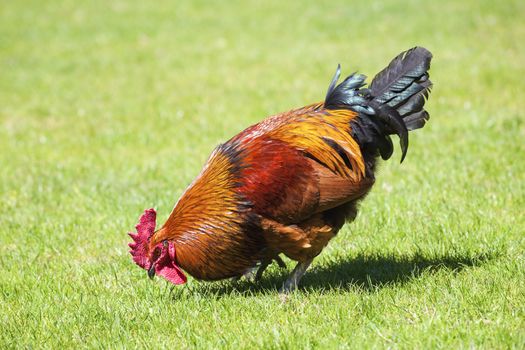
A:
(364, 272)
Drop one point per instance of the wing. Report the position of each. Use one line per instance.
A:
(278, 181)
(300, 163)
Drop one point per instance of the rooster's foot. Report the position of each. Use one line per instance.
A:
(293, 280)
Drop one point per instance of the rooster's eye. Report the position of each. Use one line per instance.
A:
(156, 254)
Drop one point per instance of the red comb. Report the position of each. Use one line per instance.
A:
(139, 246)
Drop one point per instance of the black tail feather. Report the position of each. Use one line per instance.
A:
(393, 103)
(416, 120)
(404, 85)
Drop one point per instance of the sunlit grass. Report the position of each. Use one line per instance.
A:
(110, 108)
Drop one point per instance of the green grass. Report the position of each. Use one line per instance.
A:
(107, 109)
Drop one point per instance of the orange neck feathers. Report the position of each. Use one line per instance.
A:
(210, 202)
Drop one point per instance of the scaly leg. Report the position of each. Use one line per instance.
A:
(265, 263)
(262, 268)
(279, 262)
(293, 280)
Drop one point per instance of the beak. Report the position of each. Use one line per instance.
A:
(151, 271)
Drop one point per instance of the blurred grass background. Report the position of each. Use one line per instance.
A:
(107, 108)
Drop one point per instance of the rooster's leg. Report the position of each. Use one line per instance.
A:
(293, 280)
(279, 262)
(262, 268)
(265, 263)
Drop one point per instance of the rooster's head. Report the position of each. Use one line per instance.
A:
(159, 259)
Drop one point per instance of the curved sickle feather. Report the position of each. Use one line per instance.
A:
(331, 87)
(392, 118)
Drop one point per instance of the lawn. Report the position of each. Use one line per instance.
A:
(107, 108)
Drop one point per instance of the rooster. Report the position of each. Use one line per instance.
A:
(287, 184)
